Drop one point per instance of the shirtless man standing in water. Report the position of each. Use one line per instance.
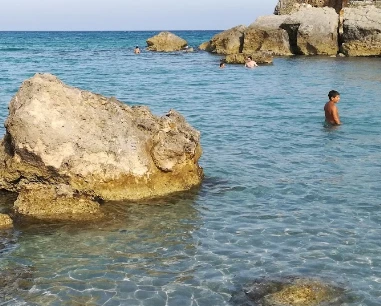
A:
(330, 108)
(250, 63)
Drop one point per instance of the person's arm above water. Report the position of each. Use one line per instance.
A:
(335, 115)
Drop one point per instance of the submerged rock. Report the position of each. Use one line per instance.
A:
(291, 291)
(13, 281)
(166, 42)
(66, 148)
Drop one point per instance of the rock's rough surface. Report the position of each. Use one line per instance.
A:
(258, 57)
(59, 204)
(5, 221)
(266, 35)
(205, 46)
(313, 31)
(65, 144)
(362, 31)
(226, 42)
(166, 42)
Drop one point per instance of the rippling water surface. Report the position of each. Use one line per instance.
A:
(282, 195)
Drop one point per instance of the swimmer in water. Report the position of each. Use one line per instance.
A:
(330, 109)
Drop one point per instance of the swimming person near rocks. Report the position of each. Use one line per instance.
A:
(330, 109)
(137, 50)
(250, 63)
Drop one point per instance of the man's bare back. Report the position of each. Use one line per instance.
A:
(330, 109)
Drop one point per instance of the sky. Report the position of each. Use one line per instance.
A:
(130, 15)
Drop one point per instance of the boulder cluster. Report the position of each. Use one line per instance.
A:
(307, 30)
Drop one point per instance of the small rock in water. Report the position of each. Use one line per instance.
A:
(291, 291)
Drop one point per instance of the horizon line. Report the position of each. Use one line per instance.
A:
(106, 30)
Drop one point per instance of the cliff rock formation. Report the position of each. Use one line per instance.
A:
(313, 31)
(361, 31)
(309, 31)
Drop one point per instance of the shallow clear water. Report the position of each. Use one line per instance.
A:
(282, 194)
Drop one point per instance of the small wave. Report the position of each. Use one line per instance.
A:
(11, 49)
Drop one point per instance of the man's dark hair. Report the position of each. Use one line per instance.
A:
(333, 94)
(250, 57)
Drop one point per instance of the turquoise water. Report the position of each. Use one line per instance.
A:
(282, 196)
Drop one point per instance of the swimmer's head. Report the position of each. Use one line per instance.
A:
(333, 94)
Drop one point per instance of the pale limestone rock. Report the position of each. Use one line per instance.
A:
(166, 42)
(313, 31)
(362, 31)
(66, 143)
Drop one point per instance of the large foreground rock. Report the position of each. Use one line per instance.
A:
(362, 31)
(166, 42)
(65, 148)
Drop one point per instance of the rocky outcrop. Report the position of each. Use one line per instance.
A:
(309, 31)
(362, 31)
(226, 42)
(66, 148)
(313, 31)
(265, 34)
(240, 58)
(166, 42)
(310, 28)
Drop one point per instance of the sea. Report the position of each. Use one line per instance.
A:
(283, 195)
